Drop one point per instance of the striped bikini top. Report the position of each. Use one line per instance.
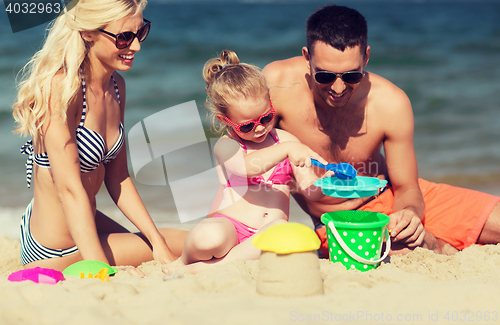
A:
(91, 145)
(281, 175)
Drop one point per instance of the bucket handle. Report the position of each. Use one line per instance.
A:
(354, 255)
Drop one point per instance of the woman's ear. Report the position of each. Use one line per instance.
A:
(87, 36)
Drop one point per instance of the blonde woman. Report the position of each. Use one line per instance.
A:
(71, 102)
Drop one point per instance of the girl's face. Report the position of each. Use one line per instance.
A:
(103, 49)
(256, 110)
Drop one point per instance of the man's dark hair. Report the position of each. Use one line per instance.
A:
(338, 26)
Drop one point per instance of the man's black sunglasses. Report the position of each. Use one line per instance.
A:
(123, 40)
(349, 77)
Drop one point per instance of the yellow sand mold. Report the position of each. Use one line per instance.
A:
(287, 238)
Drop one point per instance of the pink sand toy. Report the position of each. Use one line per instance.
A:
(37, 275)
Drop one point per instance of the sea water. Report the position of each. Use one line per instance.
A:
(444, 54)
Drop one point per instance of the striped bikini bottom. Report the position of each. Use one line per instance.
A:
(31, 250)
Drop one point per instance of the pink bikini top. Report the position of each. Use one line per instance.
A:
(282, 173)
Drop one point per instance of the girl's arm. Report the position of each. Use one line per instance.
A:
(59, 141)
(124, 193)
(306, 176)
(258, 162)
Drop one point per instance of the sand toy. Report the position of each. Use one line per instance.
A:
(289, 264)
(341, 170)
(355, 238)
(37, 275)
(90, 269)
(101, 275)
(360, 186)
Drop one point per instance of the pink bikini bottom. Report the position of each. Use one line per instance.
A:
(243, 231)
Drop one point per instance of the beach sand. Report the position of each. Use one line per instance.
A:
(419, 288)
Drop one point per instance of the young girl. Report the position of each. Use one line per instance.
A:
(255, 166)
(71, 102)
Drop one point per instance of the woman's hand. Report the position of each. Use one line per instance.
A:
(161, 252)
(132, 271)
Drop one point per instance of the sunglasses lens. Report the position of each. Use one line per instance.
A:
(143, 32)
(352, 77)
(123, 40)
(267, 119)
(245, 128)
(324, 77)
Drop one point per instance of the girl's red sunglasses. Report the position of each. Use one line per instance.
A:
(249, 126)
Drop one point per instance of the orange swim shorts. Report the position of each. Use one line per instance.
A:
(453, 214)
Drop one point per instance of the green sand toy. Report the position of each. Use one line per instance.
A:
(86, 267)
(355, 238)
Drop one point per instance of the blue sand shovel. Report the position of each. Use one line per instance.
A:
(341, 170)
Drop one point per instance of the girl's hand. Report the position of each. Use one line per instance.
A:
(300, 155)
(327, 174)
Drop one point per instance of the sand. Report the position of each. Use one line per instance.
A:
(419, 288)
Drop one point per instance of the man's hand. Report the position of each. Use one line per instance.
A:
(406, 228)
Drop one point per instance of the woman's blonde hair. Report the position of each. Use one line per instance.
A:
(227, 79)
(64, 53)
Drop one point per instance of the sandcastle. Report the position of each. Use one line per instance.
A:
(289, 264)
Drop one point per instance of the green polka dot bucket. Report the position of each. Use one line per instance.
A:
(355, 238)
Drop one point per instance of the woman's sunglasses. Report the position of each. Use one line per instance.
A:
(349, 77)
(249, 126)
(123, 40)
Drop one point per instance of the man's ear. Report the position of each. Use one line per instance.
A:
(307, 57)
(367, 56)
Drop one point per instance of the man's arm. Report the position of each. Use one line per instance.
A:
(408, 210)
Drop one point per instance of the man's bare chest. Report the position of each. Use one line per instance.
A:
(351, 141)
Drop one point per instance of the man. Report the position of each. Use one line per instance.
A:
(346, 114)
